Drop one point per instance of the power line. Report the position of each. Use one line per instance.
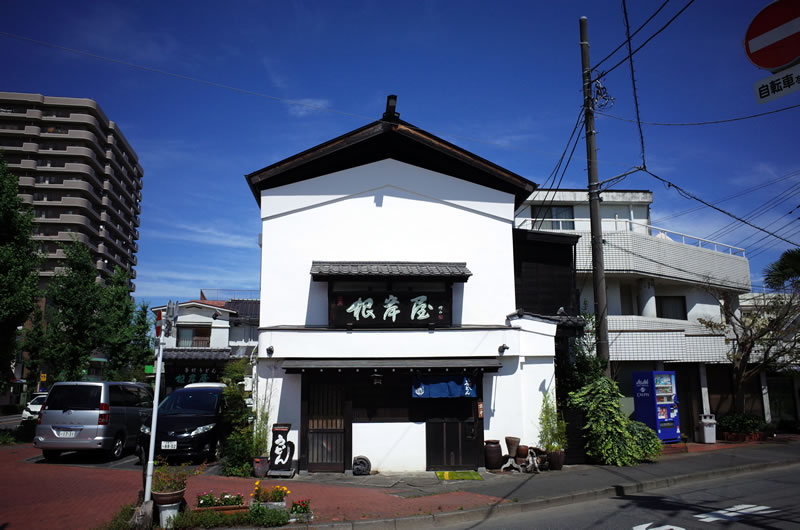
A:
(759, 210)
(712, 122)
(729, 197)
(633, 81)
(604, 59)
(689, 195)
(553, 173)
(670, 21)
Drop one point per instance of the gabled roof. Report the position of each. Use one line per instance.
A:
(392, 138)
(325, 270)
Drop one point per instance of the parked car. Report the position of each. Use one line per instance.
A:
(190, 424)
(33, 407)
(92, 416)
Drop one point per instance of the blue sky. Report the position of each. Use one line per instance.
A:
(500, 79)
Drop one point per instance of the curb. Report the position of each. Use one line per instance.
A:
(500, 510)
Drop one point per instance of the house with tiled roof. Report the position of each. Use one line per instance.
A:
(208, 334)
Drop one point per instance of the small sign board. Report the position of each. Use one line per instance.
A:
(42, 377)
(282, 450)
(390, 309)
(778, 85)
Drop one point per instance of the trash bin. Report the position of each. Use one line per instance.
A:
(708, 429)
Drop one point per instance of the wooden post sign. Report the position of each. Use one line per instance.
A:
(282, 450)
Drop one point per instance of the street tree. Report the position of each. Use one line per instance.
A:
(763, 335)
(140, 349)
(34, 340)
(19, 265)
(115, 322)
(784, 273)
(72, 315)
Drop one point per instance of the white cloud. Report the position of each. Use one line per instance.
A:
(208, 236)
(306, 106)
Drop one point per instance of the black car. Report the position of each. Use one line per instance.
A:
(190, 424)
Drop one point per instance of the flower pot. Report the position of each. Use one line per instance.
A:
(280, 505)
(512, 443)
(494, 455)
(234, 508)
(166, 512)
(168, 497)
(260, 466)
(522, 451)
(301, 517)
(556, 459)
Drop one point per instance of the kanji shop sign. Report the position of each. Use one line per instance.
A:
(390, 310)
(195, 374)
(778, 85)
(772, 40)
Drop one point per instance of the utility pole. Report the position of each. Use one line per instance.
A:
(598, 268)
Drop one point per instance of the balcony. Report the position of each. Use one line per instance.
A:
(194, 342)
(640, 249)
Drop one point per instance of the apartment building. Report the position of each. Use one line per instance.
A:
(659, 284)
(80, 174)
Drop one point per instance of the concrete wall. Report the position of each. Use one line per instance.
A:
(391, 446)
(384, 211)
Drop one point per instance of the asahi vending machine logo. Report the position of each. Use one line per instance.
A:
(643, 387)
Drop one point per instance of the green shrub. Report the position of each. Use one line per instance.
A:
(121, 519)
(7, 438)
(209, 519)
(239, 452)
(610, 437)
(646, 444)
(740, 423)
(262, 516)
(552, 427)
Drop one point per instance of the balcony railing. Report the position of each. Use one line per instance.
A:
(196, 342)
(624, 225)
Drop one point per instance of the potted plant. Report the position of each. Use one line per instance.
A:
(225, 502)
(300, 512)
(274, 497)
(169, 485)
(261, 444)
(552, 432)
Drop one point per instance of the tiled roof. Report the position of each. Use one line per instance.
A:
(321, 269)
(215, 303)
(197, 354)
(243, 308)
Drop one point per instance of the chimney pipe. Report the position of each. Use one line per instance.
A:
(391, 104)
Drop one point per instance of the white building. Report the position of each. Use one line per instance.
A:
(387, 275)
(207, 334)
(659, 285)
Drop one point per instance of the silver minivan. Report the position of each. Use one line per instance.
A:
(92, 416)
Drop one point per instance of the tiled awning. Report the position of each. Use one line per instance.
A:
(197, 354)
(325, 270)
(486, 363)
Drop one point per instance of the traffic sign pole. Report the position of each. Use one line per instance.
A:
(148, 483)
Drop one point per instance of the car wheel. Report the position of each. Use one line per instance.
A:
(50, 455)
(115, 453)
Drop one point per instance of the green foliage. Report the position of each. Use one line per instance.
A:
(72, 330)
(740, 423)
(261, 434)
(262, 516)
(646, 444)
(785, 270)
(116, 309)
(19, 265)
(239, 452)
(122, 518)
(7, 438)
(552, 427)
(140, 350)
(610, 438)
(208, 499)
(168, 478)
(256, 516)
(580, 365)
(34, 340)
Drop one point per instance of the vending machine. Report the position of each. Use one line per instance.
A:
(655, 399)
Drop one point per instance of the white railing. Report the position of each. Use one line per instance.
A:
(625, 225)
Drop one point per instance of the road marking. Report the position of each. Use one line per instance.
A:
(123, 461)
(646, 526)
(734, 512)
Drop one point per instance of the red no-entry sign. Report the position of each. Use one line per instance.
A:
(772, 41)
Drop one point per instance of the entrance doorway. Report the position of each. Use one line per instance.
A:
(451, 430)
(326, 427)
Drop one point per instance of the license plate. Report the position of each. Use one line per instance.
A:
(169, 445)
(67, 434)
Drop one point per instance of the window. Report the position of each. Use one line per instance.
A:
(671, 307)
(194, 337)
(551, 214)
